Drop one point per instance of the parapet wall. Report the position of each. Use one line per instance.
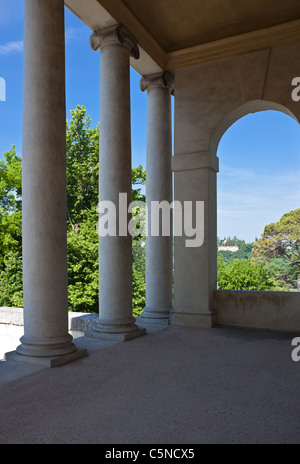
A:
(78, 322)
(260, 310)
(278, 311)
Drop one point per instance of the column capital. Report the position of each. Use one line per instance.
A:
(163, 79)
(117, 34)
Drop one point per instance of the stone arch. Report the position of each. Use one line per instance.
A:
(209, 99)
(271, 310)
(249, 107)
(212, 96)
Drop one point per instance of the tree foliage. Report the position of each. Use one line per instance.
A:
(11, 291)
(281, 241)
(277, 268)
(10, 183)
(82, 201)
(82, 167)
(241, 274)
(11, 286)
(82, 237)
(10, 204)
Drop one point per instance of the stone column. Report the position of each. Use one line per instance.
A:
(159, 262)
(115, 252)
(195, 270)
(44, 188)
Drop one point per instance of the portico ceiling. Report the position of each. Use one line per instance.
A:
(180, 33)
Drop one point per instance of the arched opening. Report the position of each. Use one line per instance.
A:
(257, 184)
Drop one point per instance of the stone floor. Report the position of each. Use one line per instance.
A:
(178, 385)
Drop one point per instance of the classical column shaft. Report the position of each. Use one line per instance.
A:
(44, 183)
(159, 269)
(115, 252)
(195, 273)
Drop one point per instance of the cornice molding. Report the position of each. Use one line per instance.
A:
(270, 37)
(195, 161)
(114, 34)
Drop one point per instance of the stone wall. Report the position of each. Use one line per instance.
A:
(257, 309)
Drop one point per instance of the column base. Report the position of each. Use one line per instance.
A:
(51, 362)
(205, 321)
(118, 330)
(158, 316)
(46, 347)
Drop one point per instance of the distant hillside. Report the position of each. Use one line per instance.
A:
(234, 248)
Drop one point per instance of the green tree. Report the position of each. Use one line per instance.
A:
(82, 200)
(83, 265)
(278, 268)
(11, 291)
(281, 240)
(82, 237)
(82, 167)
(10, 204)
(241, 274)
(11, 286)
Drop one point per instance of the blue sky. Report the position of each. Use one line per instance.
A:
(259, 154)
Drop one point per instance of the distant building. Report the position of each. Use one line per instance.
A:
(228, 248)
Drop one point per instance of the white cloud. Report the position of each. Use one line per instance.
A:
(11, 47)
(73, 33)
